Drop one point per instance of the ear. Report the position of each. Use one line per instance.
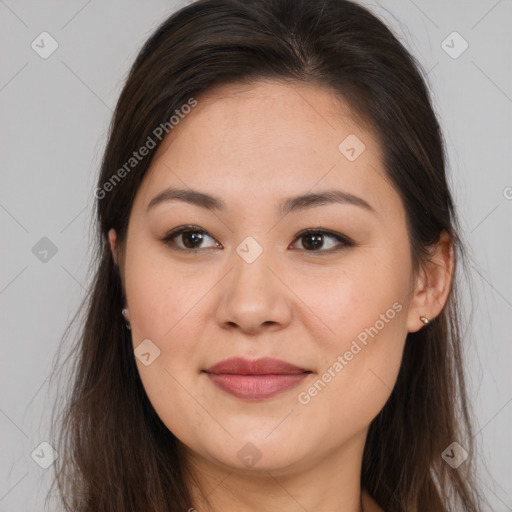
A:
(112, 238)
(433, 284)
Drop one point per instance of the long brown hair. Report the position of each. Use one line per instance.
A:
(115, 452)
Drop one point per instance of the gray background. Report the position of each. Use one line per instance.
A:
(54, 116)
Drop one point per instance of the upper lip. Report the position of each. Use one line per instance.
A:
(262, 366)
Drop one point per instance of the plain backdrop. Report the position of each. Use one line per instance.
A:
(54, 115)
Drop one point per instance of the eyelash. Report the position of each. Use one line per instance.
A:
(344, 240)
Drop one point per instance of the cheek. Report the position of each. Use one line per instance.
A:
(160, 298)
(347, 300)
(162, 310)
(365, 310)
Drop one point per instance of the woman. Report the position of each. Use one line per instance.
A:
(273, 322)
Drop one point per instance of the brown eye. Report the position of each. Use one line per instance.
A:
(312, 241)
(191, 239)
(315, 240)
(188, 238)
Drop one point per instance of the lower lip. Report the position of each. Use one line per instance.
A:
(256, 386)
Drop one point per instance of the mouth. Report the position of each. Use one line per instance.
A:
(255, 379)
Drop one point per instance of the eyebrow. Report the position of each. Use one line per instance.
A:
(290, 205)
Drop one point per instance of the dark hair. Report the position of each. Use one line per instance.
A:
(116, 453)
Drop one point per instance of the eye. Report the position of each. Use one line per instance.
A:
(191, 238)
(188, 239)
(314, 239)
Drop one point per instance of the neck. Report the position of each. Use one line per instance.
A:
(324, 482)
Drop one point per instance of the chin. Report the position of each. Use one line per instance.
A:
(252, 455)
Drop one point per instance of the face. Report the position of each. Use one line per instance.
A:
(244, 280)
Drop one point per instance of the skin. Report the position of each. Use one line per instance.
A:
(253, 146)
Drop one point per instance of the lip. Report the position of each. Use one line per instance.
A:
(255, 379)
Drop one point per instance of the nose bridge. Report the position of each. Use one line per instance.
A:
(251, 260)
(253, 296)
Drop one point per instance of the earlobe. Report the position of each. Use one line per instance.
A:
(112, 238)
(433, 284)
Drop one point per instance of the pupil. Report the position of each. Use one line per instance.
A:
(316, 241)
(192, 237)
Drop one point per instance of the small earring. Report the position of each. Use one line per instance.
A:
(126, 316)
(424, 319)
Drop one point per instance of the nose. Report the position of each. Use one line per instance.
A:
(254, 296)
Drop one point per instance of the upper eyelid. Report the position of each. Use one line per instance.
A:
(182, 229)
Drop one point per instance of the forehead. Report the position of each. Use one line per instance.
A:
(264, 117)
(266, 139)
